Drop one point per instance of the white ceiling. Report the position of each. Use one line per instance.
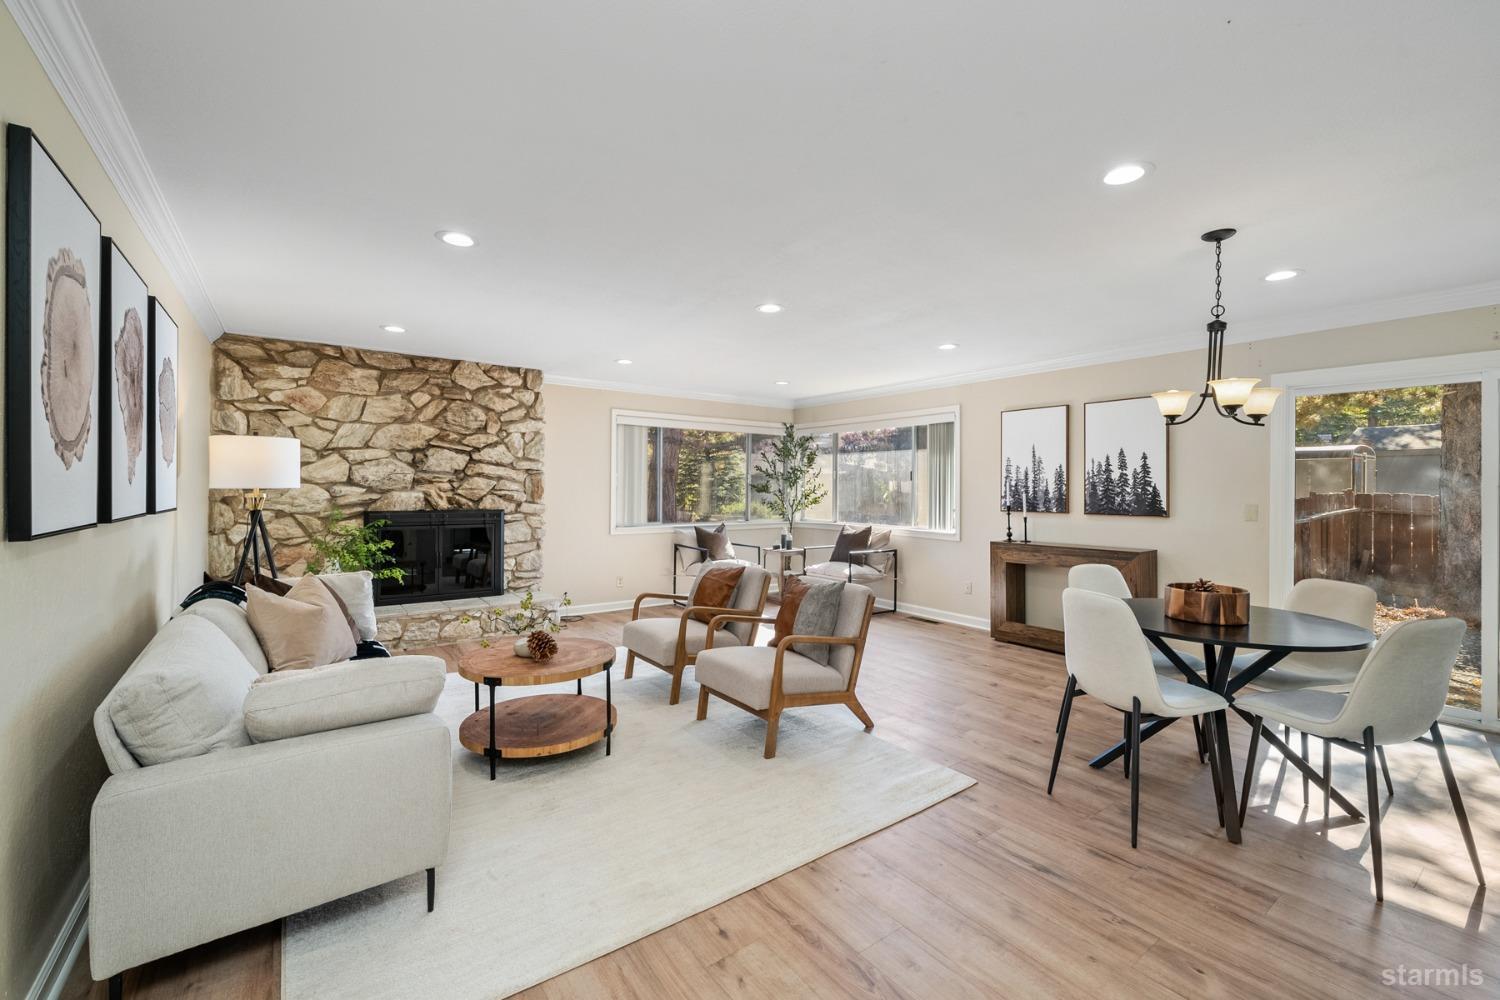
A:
(641, 175)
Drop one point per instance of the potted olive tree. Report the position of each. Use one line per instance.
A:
(790, 481)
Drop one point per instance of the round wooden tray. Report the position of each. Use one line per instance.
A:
(574, 658)
(538, 726)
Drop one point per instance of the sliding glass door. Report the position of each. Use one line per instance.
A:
(1387, 479)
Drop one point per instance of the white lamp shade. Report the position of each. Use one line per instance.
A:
(1173, 402)
(1232, 392)
(1262, 400)
(250, 462)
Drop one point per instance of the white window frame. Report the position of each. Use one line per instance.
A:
(934, 415)
(646, 418)
(1482, 367)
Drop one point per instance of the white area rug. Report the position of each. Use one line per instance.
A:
(562, 860)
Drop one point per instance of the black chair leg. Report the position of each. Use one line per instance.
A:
(1458, 802)
(1125, 734)
(117, 986)
(1198, 737)
(1373, 790)
(1135, 768)
(431, 888)
(1385, 772)
(1249, 770)
(1062, 728)
(1306, 787)
(1327, 776)
(1208, 737)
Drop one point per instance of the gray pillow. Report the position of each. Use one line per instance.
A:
(850, 540)
(357, 591)
(716, 541)
(185, 695)
(298, 702)
(817, 615)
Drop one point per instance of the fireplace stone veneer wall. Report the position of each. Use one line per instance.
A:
(381, 431)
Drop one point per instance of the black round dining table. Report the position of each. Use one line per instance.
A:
(1274, 634)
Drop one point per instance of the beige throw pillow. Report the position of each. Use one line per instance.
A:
(306, 628)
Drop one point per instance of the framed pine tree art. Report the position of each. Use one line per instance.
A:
(1034, 460)
(1125, 458)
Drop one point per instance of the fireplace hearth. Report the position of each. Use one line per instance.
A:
(445, 554)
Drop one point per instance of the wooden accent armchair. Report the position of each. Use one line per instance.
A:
(673, 643)
(764, 680)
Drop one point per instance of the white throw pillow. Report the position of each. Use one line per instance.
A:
(284, 705)
(357, 591)
(185, 696)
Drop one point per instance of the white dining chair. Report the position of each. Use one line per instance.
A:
(1102, 578)
(1396, 697)
(1107, 655)
(1353, 603)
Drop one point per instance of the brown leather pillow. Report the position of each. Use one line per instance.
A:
(715, 589)
(792, 592)
(850, 541)
(716, 541)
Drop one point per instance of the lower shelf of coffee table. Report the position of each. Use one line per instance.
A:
(539, 725)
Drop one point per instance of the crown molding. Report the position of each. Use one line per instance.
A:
(548, 378)
(58, 36)
(1381, 310)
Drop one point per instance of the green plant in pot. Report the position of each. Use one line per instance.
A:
(789, 479)
(345, 546)
(534, 625)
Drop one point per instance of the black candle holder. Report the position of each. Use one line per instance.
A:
(1009, 536)
(1025, 529)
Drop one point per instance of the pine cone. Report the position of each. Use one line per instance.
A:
(541, 645)
(1205, 586)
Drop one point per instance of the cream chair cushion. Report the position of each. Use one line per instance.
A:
(744, 674)
(841, 571)
(656, 638)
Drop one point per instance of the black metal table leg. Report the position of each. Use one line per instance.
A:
(494, 753)
(609, 726)
(476, 696)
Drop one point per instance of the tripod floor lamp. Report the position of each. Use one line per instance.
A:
(253, 463)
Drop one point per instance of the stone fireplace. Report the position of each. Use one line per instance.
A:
(443, 555)
(383, 432)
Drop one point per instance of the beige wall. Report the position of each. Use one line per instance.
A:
(1216, 467)
(580, 555)
(77, 608)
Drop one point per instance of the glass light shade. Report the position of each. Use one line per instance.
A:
(1173, 402)
(1233, 392)
(251, 462)
(1262, 400)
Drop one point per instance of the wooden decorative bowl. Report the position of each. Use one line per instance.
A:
(1224, 606)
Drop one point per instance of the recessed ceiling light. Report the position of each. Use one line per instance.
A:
(947, 347)
(1127, 173)
(393, 328)
(782, 381)
(454, 238)
(623, 361)
(768, 308)
(1282, 275)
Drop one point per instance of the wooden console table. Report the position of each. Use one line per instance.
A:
(1008, 562)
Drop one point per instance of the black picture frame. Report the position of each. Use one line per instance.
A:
(1066, 464)
(1150, 423)
(22, 505)
(156, 336)
(110, 510)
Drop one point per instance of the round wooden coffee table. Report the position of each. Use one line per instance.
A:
(543, 724)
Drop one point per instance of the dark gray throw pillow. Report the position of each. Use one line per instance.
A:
(818, 614)
(850, 541)
(716, 541)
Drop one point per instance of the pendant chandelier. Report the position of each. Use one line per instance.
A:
(1243, 400)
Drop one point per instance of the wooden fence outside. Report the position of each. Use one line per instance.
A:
(1387, 541)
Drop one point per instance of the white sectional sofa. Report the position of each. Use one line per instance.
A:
(201, 831)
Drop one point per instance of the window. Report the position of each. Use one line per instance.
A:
(678, 470)
(671, 473)
(901, 472)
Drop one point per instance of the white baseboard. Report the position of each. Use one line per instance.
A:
(606, 606)
(53, 974)
(939, 615)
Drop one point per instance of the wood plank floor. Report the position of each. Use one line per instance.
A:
(1003, 891)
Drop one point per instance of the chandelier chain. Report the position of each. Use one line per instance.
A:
(1218, 309)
